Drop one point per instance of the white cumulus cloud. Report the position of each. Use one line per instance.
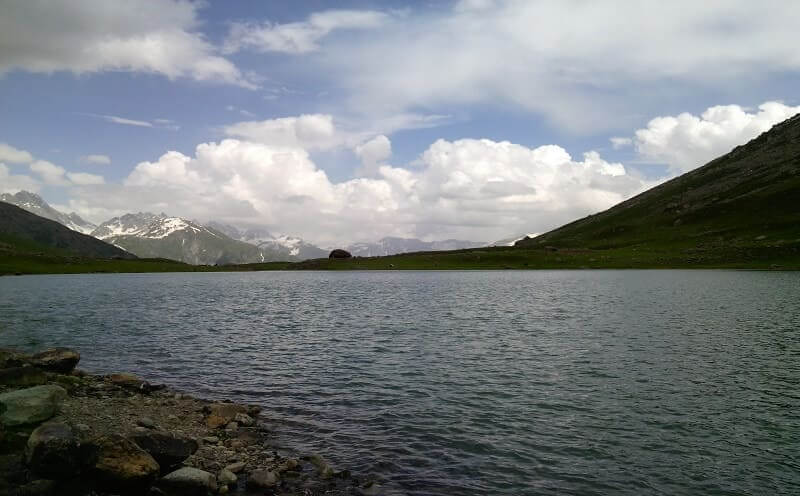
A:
(13, 155)
(469, 189)
(84, 36)
(687, 141)
(372, 153)
(50, 173)
(84, 178)
(12, 183)
(312, 131)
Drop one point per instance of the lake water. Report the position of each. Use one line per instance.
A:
(468, 383)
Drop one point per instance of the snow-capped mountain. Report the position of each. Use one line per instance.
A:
(34, 204)
(393, 246)
(149, 235)
(290, 246)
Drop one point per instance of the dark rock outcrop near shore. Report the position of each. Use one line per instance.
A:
(339, 253)
(66, 432)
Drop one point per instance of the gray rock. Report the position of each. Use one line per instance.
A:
(226, 477)
(168, 449)
(262, 479)
(221, 414)
(22, 376)
(146, 422)
(188, 481)
(244, 420)
(235, 467)
(13, 358)
(59, 360)
(118, 465)
(323, 468)
(30, 405)
(52, 451)
(232, 427)
(211, 439)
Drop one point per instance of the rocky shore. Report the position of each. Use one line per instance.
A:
(66, 432)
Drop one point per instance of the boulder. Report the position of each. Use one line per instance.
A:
(13, 358)
(244, 420)
(323, 468)
(119, 465)
(58, 360)
(221, 414)
(31, 405)
(235, 467)
(226, 478)
(22, 377)
(130, 381)
(53, 452)
(262, 479)
(188, 481)
(168, 449)
(339, 253)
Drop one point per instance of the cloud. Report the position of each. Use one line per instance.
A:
(12, 183)
(316, 132)
(685, 142)
(372, 154)
(618, 142)
(311, 131)
(12, 155)
(155, 123)
(50, 173)
(128, 122)
(520, 54)
(299, 37)
(151, 36)
(84, 178)
(97, 159)
(470, 189)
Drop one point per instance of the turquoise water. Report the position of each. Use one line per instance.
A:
(563, 382)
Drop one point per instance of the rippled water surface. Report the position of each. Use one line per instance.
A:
(468, 383)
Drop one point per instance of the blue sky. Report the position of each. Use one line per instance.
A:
(466, 119)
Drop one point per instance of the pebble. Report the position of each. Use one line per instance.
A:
(211, 439)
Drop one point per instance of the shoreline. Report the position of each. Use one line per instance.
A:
(65, 431)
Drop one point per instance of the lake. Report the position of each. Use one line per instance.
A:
(468, 383)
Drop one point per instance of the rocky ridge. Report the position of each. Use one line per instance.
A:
(66, 432)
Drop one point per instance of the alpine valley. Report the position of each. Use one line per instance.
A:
(149, 235)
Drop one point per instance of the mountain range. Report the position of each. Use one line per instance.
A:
(21, 230)
(738, 211)
(34, 204)
(149, 235)
(393, 246)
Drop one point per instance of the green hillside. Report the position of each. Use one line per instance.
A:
(740, 208)
(21, 228)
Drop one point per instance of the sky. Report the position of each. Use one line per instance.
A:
(350, 121)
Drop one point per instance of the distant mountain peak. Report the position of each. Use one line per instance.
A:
(35, 204)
